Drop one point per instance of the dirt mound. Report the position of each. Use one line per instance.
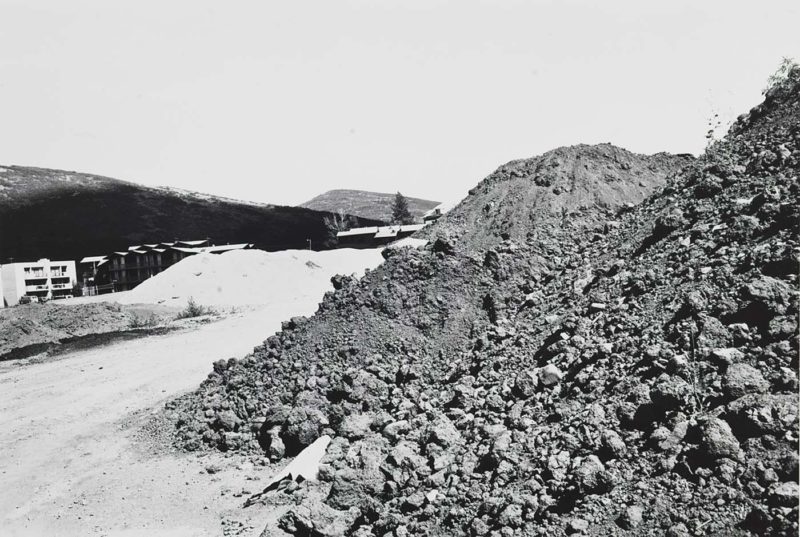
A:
(584, 183)
(38, 324)
(252, 277)
(554, 362)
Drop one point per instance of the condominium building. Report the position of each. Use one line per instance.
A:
(43, 279)
(124, 270)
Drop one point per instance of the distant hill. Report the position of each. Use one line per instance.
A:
(69, 215)
(375, 205)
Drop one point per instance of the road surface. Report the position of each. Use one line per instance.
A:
(74, 460)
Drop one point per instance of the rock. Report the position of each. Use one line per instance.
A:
(596, 307)
(669, 222)
(577, 525)
(549, 375)
(760, 414)
(727, 356)
(414, 501)
(718, 440)
(612, 444)
(678, 530)
(444, 245)
(587, 474)
(670, 392)
(351, 488)
(355, 426)
(228, 420)
(784, 494)
(479, 527)
(774, 294)
(303, 426)
(741, 379)
(631, 518)
(315, 518)
(276, 448)
(525, 384)
(442, 431)
(394, 430)
(511, 516)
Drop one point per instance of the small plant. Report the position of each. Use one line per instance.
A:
(781, 78)
(695, 370)
(193, 309)
(143, 321)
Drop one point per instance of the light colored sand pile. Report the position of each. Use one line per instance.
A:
(252, 277)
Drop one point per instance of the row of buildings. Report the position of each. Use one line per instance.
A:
(125, 269)
(374, 236)
(118, 271)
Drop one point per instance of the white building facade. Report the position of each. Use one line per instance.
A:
(44, 279)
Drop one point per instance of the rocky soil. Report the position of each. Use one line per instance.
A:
(594, 342)
(33, 328)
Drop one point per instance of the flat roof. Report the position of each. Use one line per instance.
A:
(387, 232)
(93, 259)
(358, 231)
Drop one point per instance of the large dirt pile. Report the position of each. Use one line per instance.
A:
(556, 361)
(252, 277)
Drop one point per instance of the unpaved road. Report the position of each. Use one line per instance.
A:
(73, 459)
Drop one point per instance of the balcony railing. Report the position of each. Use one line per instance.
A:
(36, 287)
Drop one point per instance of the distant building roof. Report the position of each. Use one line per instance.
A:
(383, 232)
(439, 210)
(226, 247)
(358, 231)
(387, 232)
(93, 259)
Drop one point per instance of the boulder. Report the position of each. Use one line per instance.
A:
(718, 440)
(549, 375)
(760, 414)
(670, 392)
(741, 379)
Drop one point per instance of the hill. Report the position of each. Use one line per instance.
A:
(373, 205)
(558, 361)
(68, 215)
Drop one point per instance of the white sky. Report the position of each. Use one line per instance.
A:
(279, 101)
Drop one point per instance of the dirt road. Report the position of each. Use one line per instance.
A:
(73, 460)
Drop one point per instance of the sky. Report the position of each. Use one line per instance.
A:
(280, 101)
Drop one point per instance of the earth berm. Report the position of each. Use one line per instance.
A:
(594, 342)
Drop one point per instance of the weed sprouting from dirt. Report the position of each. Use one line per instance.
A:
(193, 309)
(143, 321)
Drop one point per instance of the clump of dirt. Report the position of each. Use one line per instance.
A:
(556, 361)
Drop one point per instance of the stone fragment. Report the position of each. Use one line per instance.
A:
(741, 379)
(613, 445)
(718, 440)
(549, 375)
(784, 494)
(631, 518)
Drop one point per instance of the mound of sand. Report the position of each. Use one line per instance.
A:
(252, 277)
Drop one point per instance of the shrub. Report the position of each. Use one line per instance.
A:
(193, 309)
(143, 321)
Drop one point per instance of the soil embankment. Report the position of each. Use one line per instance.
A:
(559, 361)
